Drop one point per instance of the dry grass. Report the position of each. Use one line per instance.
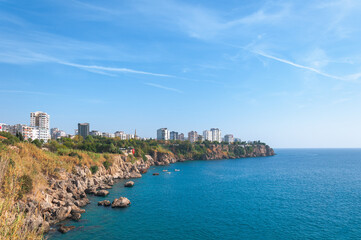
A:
(12, 220)
(27, 159)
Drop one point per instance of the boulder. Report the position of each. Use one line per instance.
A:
(105, 186)
(82, 202)
(62, 213)
(76, 216)
(65, 229)
(75, 209)
(102, 193)
(121, 202)
(91, 190)
(105, 203)
(129, 184)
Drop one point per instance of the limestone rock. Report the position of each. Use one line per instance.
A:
(129, 184)
(102, 193)
(105, 203)
(65, 229)
(121, 202)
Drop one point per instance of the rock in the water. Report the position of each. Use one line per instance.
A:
(121, 202)
(143, 170)
(102, 193)
(65, 229)
(129, 184)
(76, 216)
(104, 203)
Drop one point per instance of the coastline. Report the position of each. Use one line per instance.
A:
(68, 193)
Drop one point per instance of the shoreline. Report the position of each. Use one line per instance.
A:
(66, 196)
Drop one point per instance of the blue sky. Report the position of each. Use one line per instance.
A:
(285, 72)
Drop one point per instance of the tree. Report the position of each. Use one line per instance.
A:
(38, 143)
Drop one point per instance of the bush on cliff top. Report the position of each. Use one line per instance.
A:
(94, 169)
(26, 185)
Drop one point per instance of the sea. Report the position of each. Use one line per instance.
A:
(296, 194)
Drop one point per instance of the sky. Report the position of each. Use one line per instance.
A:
(287, 73)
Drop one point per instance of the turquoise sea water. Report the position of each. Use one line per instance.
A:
(297, 194)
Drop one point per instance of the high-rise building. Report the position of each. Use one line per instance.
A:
(200, 138)
(40, 122)
(40, 119)
(163, 134)
(216, 135)
(229, 138)
(192, 136)
(83, 129)
(173, 135)
(181, 137)
(207, 135)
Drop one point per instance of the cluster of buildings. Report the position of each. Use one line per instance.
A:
(39, 127)
(212, 135)
(84, 131)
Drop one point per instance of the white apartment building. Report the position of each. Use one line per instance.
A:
(129, 136)
(39, 119)
(174, 135)
(192, 136)
(207, 135)
(40, 122)
(95, 133)
(109, 135)
(229, 138)
(121, 135)
(163, 134)
(24, 130)
(216, 135)
(4, 127)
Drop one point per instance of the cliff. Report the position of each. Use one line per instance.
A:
(65, 181)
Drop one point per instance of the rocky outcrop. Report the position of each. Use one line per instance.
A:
(129, 184)
(67, 193)
(105, 203)
(121, 202)
(65, 229)
(101, 193)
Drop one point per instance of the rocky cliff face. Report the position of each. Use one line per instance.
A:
(67, 193)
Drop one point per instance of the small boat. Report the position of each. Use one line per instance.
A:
(169, 172)
(176, 170)
(155, 174)
(165, 170)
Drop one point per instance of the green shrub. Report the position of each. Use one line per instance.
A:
(107, 164)
(37, 143)
(11, 140)
(94, 169)
(26, 185)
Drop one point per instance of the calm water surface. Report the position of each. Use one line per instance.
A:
(297, 194)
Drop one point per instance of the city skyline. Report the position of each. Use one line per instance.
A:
(39, 128)
(286, 73)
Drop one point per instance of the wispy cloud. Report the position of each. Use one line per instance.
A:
(112, 69)
(163, 87)
(352, 77)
